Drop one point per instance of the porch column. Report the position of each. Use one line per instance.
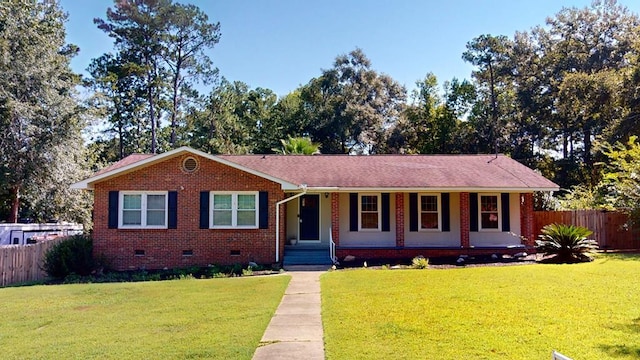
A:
(465, 221)
(335, 217)
(400, 219)
(526, 218)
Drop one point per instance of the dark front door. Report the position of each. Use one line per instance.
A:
(310, 217)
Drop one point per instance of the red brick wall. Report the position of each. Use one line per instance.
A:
(526, 218)
(400, 219)
(164, 247)
(465, 221)
(335, 217)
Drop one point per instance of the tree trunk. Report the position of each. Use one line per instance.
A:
(15, 204)
(174, 111)
(151, 113)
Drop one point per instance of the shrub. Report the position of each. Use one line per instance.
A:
(70, 256)
(568, 243)
(420, 262)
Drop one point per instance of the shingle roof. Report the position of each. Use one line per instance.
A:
(133, 158)
(463, 172)
(397, 171)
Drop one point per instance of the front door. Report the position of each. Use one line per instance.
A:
(310, 217)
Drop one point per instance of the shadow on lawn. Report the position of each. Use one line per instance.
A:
(624, 350)
(626, 256)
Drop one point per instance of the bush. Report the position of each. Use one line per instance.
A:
(420, 262)
(568, 243)
(70, 256)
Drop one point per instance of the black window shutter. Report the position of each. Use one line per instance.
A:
(173, 210)
(413, 212)
(446, 216)
(263, 215)
(204, 210)
(386, 221)
(113, 209)
(505, 212)
(473, 211)
(353, 212)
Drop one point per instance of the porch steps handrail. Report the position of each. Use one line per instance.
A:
(332, 247)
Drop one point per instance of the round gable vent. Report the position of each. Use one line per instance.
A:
(190, 164)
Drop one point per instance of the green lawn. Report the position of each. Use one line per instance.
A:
(180, 319)
(585, 311)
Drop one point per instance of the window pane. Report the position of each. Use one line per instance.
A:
(369, 220)
(155, 217)
(429, 203)
(369, 203)
(246, 218)
(247, 202)
(222, 218)
(489, 220)
(131, 217)
(132, 202)
(429, 220)
(155, 202)
(222, 201)
(489, 203)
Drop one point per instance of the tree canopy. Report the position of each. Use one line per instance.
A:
(546, 96)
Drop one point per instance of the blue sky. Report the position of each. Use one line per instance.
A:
(282, 44)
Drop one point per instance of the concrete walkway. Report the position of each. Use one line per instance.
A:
(295, 331)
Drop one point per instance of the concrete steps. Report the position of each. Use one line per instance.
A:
(306, 257)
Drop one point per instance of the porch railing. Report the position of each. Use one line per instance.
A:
(332, 248)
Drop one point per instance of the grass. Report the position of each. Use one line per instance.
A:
(181, 319)
(585, 311)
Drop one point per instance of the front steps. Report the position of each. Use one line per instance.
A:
(306, 256)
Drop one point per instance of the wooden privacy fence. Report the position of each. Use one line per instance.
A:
(23, 263)
(610, 229)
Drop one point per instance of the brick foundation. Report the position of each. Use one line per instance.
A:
(364, 254)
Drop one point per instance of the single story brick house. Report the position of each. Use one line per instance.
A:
(186, 207)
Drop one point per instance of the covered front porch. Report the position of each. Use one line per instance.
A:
(325, 226)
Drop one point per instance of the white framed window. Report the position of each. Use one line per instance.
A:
(489, 213)
(369, 210)
(143, 209)
(234, 210)
(430, 214)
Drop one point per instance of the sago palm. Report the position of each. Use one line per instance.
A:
(568, 243)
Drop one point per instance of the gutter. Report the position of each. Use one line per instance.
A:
(304, 191)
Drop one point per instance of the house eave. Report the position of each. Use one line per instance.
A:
(88, 184)
(313, 189)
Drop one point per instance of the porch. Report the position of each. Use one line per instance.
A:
(403, 225)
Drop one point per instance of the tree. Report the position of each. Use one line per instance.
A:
(298, 146)
(581, 53)
(431, 123)
(622, 176)
(491, 55)
(40, 143)
(351, 105)
(189, 35)
(164, 45)
(119, 97)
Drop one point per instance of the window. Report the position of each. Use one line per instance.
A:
(489, 212)
(429, 212)
(369, 212)
(234, 210)
(143, 209)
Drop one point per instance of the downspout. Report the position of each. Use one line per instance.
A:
(304, 191)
